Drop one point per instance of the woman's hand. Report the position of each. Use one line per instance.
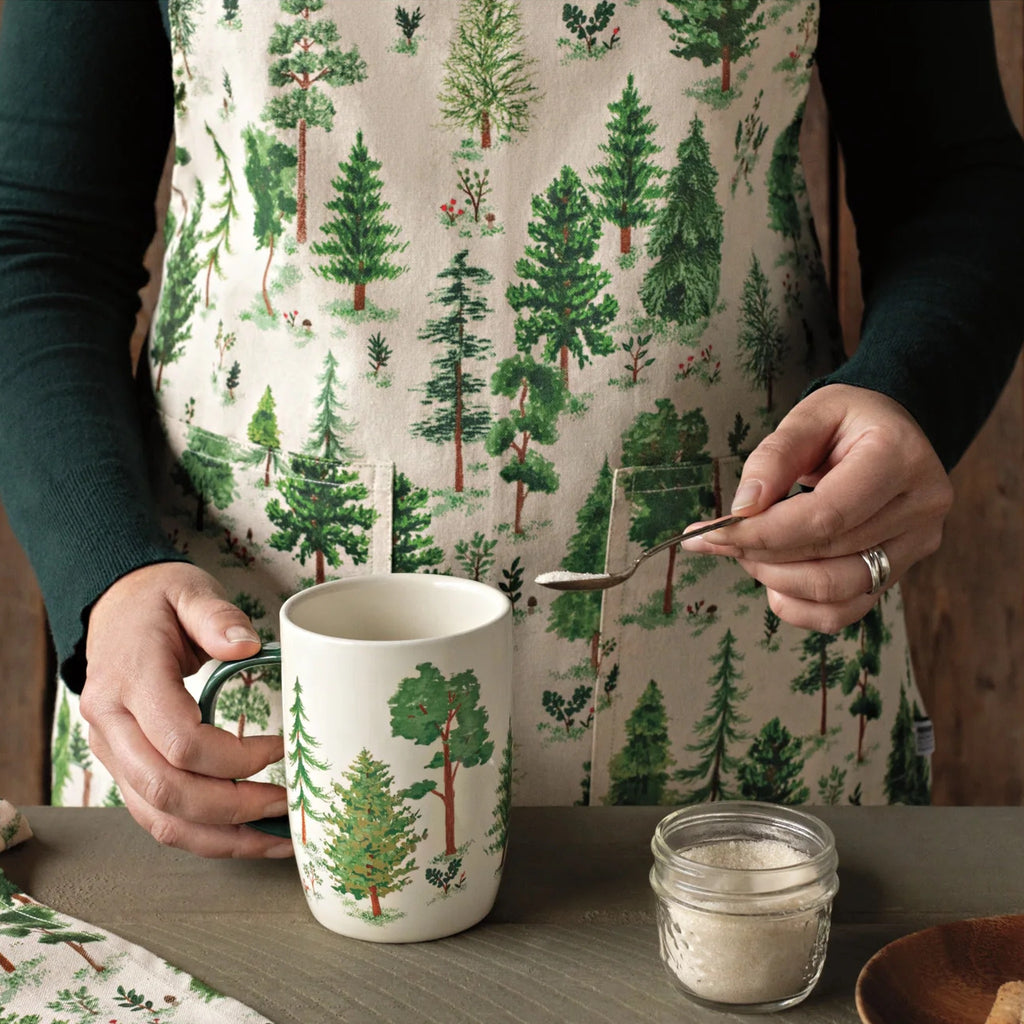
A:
(147, 632)
(877, 483)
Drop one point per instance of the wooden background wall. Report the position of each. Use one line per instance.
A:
(965, 604)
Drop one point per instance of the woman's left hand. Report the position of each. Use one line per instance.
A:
(877, 483)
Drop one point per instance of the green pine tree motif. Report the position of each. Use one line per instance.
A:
(455, 419)
(60, 756)
(762, 342)
(220, 233)
(664, 439)
(502, 806)
(21, 917)
(181, 15)
(831, 786)
(824, 670)
(719, 729)
(476, 555)
(244, 705)
(308, 58)
(263, 432)
(371, 834)
(627, 183)
(857, 675)
(771, 771)
(81, 757)
(714, 31)
(302, 759)
(639, 771)
(412, 548)
(538, 395)
(686, 240)
(785, 181)
(172, 328)
(906, 775)
(328, 432)
(488, 76)
(270, 172)
(205, 472)
(359, 240)
(557, 301)
(576, 614)
(430, 709)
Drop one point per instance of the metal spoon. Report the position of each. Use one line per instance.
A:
(562, 580)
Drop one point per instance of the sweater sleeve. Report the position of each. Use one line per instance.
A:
(85, 120)
(935, 183)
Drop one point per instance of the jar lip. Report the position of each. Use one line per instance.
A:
(705, 824)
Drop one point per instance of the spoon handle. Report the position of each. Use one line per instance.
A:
(695, 532)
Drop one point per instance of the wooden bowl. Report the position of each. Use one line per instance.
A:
(948, 974)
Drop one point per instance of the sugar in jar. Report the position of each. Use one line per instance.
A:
(744, 893)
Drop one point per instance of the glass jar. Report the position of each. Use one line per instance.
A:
(744, 903)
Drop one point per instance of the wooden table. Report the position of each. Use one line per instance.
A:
(571, 939)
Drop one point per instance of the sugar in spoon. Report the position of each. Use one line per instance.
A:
(563, 580)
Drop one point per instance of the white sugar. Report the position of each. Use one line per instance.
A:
(561, 576)
(745, 854)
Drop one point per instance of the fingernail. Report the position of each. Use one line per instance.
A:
(276, 809)
(697, 545)
(241, 635)
(280, 851)
(747, 494)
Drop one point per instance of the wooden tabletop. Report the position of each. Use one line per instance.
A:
(571, 939)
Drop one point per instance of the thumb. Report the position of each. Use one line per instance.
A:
(217, 627)
(795, 449)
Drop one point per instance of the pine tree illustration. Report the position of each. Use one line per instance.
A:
(205, 472)
(639, 772)
(867, 704)
(762, 342)
(627, 183)
(823, 673)
(172, 327)
(576, 614)
(686, 240)
(412, 549)
(308, 57)
(502, 806)
(719, 729)
(328, 432)
(714, 31)
(263, 432)
(557, 301)
(60, 758)
(537, 395)
(906, 774)
(785, 181)
(81, 757)
(359, 239)
(454, 418)
(270, 172)
(301, 760)
(430, 709)
(488, 76)
(181, 15)
(658, 439)
(371, 834)
(220, 233)
(772, 768)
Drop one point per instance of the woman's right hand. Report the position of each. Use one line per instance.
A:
(146, 633)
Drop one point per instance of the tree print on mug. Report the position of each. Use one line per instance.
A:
(371, 837)
(488, 82)
(306, 794)
(430, 710)
(360, 241)
(455, 419)
(502, 807)
(308, 57)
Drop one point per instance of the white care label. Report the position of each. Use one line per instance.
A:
(924, 734)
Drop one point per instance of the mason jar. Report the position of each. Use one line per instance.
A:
(744, 893)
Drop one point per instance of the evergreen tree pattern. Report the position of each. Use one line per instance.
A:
(307, 58)
(263, 432)
(502, 806)
(304, 791)
(867, 704)
(371, 834)
(761, 339)
(205, 472)
(772, 769)
(454, 418)
(824, 671)
(359, 239)
(220, 233)
(430, 709)
(412, 549)
(906, 776)
(639, 772)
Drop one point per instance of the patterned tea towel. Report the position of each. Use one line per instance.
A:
(57, 970)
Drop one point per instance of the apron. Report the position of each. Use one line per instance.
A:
(501, 288)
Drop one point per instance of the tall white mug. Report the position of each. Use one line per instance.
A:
(397, 694)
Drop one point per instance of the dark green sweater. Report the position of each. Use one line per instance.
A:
(935, 181)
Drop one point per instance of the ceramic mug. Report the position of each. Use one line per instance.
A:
(397, 694)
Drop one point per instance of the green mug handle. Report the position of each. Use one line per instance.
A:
(269, 655)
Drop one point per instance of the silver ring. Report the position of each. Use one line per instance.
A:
(878, 565)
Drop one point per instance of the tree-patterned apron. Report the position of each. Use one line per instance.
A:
(492, 288)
